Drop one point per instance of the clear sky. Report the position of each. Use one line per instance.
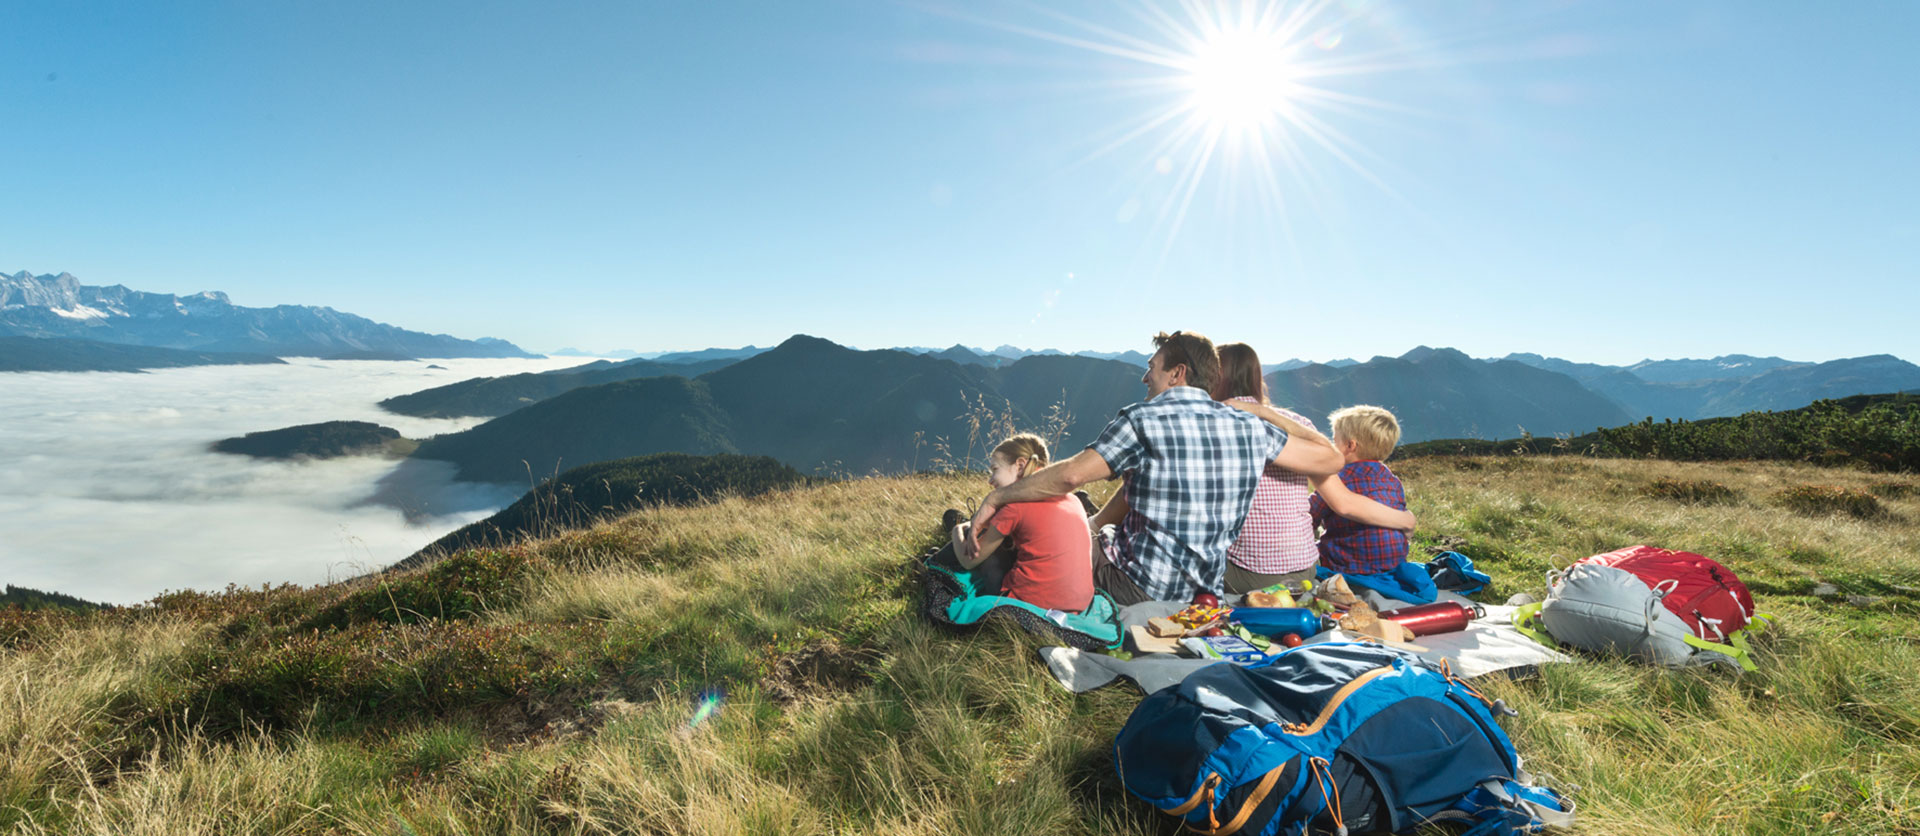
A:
(1602, 181)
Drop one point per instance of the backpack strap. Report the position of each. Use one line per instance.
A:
(1247, 807)
(1736, 649)
(1740, 654)
(1526, 619)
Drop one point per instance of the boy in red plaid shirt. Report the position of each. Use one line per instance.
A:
(1369, 555)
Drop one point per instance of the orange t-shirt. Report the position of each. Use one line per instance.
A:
(1052, 553)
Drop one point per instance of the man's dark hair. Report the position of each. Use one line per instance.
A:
(1185, 348)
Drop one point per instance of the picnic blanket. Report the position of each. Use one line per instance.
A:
(1488, 644)
(952, 600)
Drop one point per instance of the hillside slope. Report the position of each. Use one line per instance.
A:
(593, 424)
(758, 666)
(63, 354)
(487, 397)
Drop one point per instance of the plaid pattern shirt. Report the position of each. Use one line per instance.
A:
(1349, 547)
(1278, 535)
(1191, 465)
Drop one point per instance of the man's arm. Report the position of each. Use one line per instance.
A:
(1360, 508)
(1314, 458)
(1057, 479)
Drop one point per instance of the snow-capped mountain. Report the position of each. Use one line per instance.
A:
(60, 306)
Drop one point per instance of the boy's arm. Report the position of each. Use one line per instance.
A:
(1359, 507)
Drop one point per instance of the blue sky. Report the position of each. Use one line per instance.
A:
(1602, 181)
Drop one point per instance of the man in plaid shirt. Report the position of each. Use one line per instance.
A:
(1191, 465)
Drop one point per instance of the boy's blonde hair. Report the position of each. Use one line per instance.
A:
(1374, 430)
(1033, 447)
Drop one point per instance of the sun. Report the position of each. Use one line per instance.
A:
(1242, 80)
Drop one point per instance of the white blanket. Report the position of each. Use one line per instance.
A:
(1488, 644)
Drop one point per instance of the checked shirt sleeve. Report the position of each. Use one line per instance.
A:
(1276, 438)
(1119, 444)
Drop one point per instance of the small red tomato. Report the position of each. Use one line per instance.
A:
(1215, 631)
(1206, 599)
(1290, 639)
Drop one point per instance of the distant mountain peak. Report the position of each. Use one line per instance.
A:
(804, 341)
(1421, 354)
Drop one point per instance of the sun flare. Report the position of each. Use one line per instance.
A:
(1244, 103)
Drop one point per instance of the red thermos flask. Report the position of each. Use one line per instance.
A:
(1442, 617)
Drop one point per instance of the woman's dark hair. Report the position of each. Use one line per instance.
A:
(1239, 374)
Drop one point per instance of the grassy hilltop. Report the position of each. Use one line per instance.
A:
(567, 686)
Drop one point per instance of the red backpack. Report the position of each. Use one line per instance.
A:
(1703, 593)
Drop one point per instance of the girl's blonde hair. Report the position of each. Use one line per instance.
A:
(1024, 444)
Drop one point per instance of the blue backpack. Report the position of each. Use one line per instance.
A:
(1335, 737)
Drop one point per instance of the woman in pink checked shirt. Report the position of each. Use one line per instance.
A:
(1276, 543)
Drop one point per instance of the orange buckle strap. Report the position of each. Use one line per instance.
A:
(1323, 774)
(1446, 670)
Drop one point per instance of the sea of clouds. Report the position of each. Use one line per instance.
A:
(108, 490)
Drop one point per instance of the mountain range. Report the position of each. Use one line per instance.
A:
(808, 402)
(1732, 384)
(49, 306)
(822, 407)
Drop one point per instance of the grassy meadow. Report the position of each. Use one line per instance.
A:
(757, 666)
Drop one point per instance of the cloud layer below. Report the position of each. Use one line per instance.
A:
(108, 490)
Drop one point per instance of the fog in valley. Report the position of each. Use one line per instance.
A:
(108, 490)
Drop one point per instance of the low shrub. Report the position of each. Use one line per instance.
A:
(20, 627)
(1894, 490)
(1831, 499)
(1688, 491)
(376, 670)
(458, 587)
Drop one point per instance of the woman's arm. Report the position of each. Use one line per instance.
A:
(1294, 429)
(990, 540)
(1307, 453)
(1360, 508)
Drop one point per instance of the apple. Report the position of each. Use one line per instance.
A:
(1206, 599)
(1215, 631)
